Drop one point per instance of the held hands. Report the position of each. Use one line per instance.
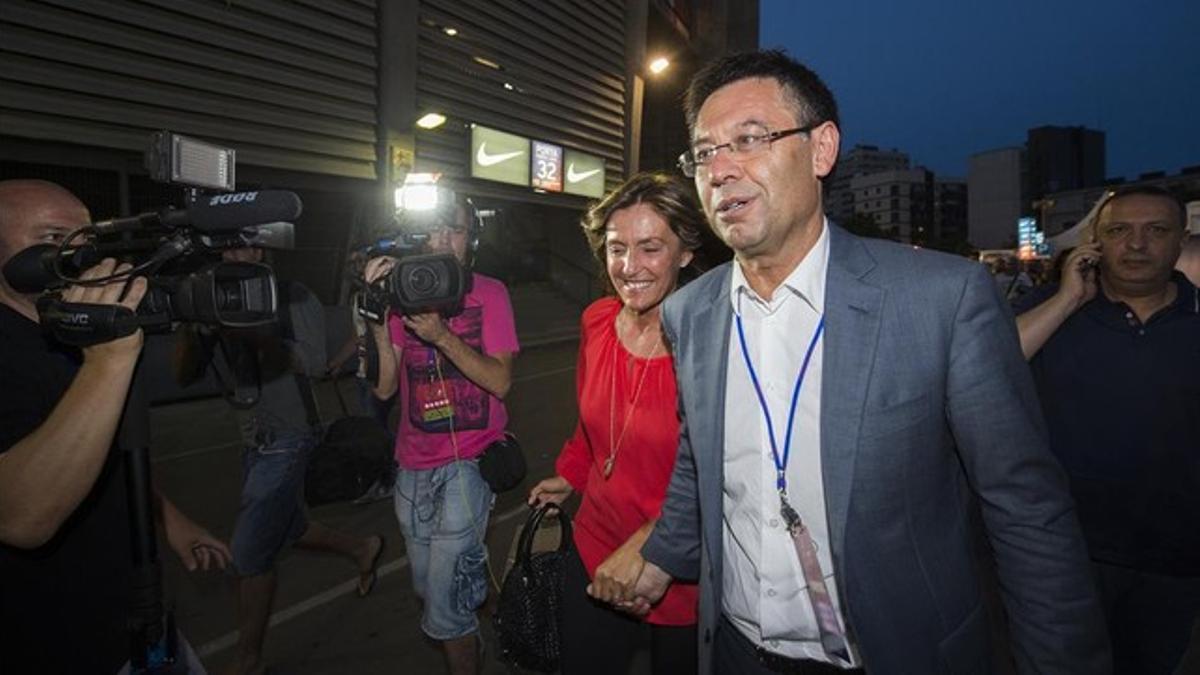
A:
(555, 490)
(616, 577)
(650, 587)
(626, 581)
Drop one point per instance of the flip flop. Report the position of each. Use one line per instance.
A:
(366, 580)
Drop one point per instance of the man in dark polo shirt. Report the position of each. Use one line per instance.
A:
(1115, 352)
(64, 527)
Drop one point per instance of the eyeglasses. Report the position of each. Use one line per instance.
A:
(742, 147)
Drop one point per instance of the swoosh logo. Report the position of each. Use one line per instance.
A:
(574, 177)
(484, 159)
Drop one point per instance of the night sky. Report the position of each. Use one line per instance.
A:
(944, 79)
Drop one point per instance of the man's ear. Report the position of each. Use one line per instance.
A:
(826, 141)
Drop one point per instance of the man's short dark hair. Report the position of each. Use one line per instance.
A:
(1150, 191)
(812, 100)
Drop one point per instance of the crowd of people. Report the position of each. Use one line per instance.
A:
(787, 465)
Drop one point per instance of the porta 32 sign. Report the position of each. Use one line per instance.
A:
(546, 172)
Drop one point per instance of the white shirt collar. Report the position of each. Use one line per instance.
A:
(807, 280)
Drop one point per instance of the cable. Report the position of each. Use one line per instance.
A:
(169, 250)
(487, 558)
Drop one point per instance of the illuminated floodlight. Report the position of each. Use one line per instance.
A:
(431, 120)
(658, 65)
(419, 192)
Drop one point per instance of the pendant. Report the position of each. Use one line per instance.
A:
(608, 466)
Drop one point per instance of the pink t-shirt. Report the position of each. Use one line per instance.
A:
(428, 411)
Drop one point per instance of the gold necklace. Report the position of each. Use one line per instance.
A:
(615, 446)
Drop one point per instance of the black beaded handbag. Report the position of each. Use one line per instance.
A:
(527, 613)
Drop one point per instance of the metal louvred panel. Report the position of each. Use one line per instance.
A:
(290, 85)
(551, 70)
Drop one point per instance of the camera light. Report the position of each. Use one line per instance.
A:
(418, 193)
(180, 159)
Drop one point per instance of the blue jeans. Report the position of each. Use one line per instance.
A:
(271, 515)
(443, 514)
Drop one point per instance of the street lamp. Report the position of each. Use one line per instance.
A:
(431, 120)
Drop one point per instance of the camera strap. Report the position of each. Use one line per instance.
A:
(82, 324)
(237, 359)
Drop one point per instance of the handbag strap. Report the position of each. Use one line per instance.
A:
(532, 522)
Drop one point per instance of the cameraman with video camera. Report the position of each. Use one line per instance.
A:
(452, 369)
(65, 562)
(268, 371)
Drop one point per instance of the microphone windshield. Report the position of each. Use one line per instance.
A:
(223, 213)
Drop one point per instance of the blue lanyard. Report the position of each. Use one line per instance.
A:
(780, 465)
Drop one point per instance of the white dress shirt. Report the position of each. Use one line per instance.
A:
(764, 592)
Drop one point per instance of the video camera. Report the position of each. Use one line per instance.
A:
(178, 250)
(422, 281)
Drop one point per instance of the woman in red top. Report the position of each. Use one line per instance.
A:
(623, 450)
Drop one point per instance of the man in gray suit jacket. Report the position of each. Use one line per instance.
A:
(844, 401)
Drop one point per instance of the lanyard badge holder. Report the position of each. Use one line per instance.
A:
(833, 641)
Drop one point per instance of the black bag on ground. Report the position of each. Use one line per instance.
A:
(355, 452)
(528, 612)
(502, 464)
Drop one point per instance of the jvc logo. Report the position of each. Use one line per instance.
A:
(80, 319)
(235, 198)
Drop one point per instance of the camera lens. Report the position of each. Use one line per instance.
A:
(422, 280)
(229, 296)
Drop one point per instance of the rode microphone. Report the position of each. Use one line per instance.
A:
(215, 213)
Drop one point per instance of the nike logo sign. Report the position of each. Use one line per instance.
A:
(484, 159)
(573, 177)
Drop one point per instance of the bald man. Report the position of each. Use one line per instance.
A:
(1113, 349)
(64, 524)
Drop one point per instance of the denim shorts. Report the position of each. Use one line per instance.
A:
(443, 514)
(271, 515)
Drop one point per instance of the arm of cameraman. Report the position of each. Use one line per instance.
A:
(492, 372)
(386, 385)
(45, 475)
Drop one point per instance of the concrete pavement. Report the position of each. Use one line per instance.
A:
(319, 623)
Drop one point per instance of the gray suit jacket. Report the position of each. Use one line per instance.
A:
(925, 400)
